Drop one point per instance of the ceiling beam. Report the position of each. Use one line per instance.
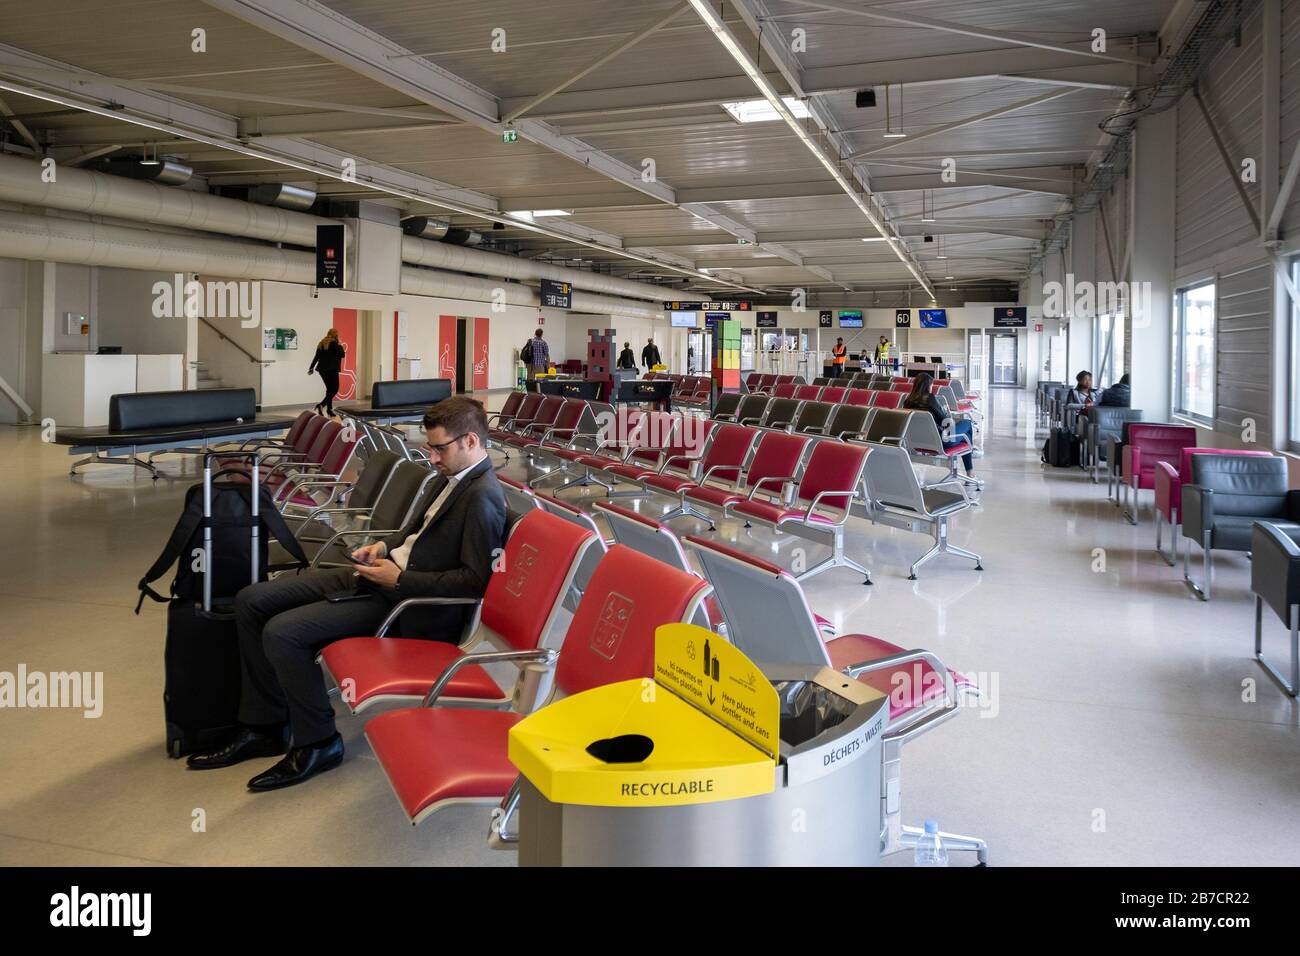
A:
(1032, 65)
(612, 53)
(947, 26)
(1015, 178)
(347, 43)
(19, 126)
(58, 83)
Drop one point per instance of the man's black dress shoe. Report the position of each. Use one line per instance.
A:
(245, 745)
(301, 764)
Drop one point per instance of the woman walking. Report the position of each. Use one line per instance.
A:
(328, 360)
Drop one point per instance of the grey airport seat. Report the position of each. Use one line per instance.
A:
(813, 418)
(1097, 427)
(1275, 581)
(780, 413)
(727, 405)
(849, 421)
(409, 492)
(361, 492)
(752, 408)
(1226, 496)
(519, 497)
(591, 559)
(897, 498)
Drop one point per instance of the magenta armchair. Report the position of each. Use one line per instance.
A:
(1169, 492)
(1148, 445)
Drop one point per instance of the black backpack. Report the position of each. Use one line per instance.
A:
(526, 353)
(231, 554)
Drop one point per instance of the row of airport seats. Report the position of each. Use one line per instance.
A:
(451, 747)
(793, 477)
(693, 390)
(851, 414)
(445, 741)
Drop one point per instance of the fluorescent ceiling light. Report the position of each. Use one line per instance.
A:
(879, 239)
(895, 135)
(761, 111)
(777, 102)
(540, 213)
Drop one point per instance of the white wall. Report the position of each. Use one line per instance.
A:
(292, 306)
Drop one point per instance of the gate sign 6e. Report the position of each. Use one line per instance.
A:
(556, 295)
(329, 256)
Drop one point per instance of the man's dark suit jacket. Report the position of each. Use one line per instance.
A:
(453, 557)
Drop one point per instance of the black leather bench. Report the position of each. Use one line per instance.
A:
(404, 400)
(169, 423)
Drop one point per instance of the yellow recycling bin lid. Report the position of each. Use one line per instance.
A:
(705, 729)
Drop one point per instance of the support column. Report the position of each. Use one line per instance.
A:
(1151, 237)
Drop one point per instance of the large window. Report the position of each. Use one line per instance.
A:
(1194, 353)
(1109, 349)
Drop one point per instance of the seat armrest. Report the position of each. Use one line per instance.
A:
(406, 604)
(910, 726)
(1166, 486)
(1198, 511)
(546, 656)
(763, 481)
(1132, 462)
(1274, 567)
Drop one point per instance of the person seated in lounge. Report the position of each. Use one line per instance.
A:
(283, 624)
(1118, 394)
(1083, 394)
(952, 432)
(626, 358)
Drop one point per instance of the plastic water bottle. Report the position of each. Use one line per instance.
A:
(929, 848)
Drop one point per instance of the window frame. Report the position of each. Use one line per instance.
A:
(1293, 363)
(1180, 356)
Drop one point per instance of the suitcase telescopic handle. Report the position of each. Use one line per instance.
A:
(256, 458)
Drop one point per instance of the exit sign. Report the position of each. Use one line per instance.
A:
(510, 136)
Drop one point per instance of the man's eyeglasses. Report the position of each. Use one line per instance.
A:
(440, 448)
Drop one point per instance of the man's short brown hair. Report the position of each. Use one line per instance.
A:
(458, 415)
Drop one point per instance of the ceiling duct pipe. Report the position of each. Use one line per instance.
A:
(434, 282)
(93, 193)
(425, 227)
(51, 239)
(283, 195)
(75, 241)
(84, 191)
(164, 172)
(441, 255)
(462, 237)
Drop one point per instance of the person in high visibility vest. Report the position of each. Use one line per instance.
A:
(839, 355)
(882, 355)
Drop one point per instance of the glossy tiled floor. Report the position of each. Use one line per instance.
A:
(1115, 731)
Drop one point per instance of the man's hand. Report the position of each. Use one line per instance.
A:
(370, 553)
(384, 574)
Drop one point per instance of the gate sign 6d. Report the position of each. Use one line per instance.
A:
(556, 295)
(329, 256)
(902, 318)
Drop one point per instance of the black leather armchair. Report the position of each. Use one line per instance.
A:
(1275, 580)
(1228, 494)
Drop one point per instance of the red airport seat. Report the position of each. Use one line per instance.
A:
(518, 610)
(775, 462)
(435, 756)
(830, 482)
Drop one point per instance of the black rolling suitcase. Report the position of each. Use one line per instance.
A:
(1061, 450)
(220, 530)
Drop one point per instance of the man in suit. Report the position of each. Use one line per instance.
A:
(283, 624)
